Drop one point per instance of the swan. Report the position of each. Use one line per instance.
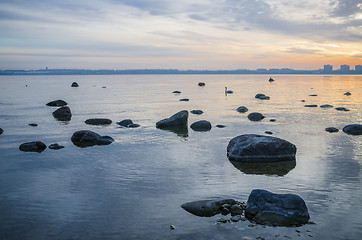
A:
(228, 91)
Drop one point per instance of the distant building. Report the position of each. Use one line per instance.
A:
(328, 68)
(345, 68)
(358, 68)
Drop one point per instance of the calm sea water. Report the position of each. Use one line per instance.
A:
(133, 188)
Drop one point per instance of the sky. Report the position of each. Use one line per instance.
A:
(187, 34)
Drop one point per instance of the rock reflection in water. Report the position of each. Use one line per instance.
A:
(181, 131)
(271, 169)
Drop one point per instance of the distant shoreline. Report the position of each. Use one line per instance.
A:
(174, 71)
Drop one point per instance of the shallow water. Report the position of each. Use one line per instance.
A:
(133, 188)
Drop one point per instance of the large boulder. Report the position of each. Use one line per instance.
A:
(177, 120)
(264, 207)
(86, 138)
(255, 116)
(98, 121)
(258, 148)
(57, 103)
(353, 129)
(201, 126)
(35, 146)
(207, 208)
(63, 114)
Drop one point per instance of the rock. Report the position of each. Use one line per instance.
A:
(57, 103)
(1, 131)
(242, 109)
(262, 96)
(255, 116)
(172, 227)
(63, 114)
(332, 129)
(220, 126)
(269, 132)
(272, 120)
(235, 218)
(55, 146)
(125, 122)
(176, 92)
(347, 94)
(198, 112)
(133, 125)
(207, 208)
(302, 100)
(98, 121)
(270, 169)
(222, 220)
(342, 109)
(258, 148)
(313, 95)
(201, 84)
(184, 100)
(74, 84)
(236, 210)
(202, 126)
(325, 106)
(271, 80)
(35, 146)
(86, 138)
(33, 124)
(177, 120)
(311, 105)
(353, 129)
(264, 207)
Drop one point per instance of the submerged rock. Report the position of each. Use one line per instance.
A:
(57, 103)
(33, 124)
(177, 120)
(176, 92)
(74, 84)
(325, 106)
(262, 96)
(242, 109)
(201, 84)
(98, 121)
(125, 122)
(36, 146)
(255, 116)
(332, 129)
(258, 148)
(347, 94)
(220, 126)
(184, 100)
(63, 114)
(86, 138)
(202, 126)
(271, 80)
(342, 109)
(55, 146)
(198, 112)
(311, 105)
(207, 208)
(264, 207)
(353, 129)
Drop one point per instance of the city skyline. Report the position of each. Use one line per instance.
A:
(160, 34)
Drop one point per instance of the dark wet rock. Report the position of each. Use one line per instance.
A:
(125, 122)
(225, 211)
(55, 146)
(220, 126)
(313, 95)
(325, 106)
(104, 87)
(269, 132)
(235, 218)
(270, 169)
(272, 120)
(133, 125)
(177, 120)
(184, 100)
(1, 131)
(258, 148)
(202, 126)
(35, 146)
(98, 121)
(201, 84)
(332, 129)
(302, 100)
(353, 129)
(311, 105)
(176, 92)
(198, 112)
(271, 80)
(255, 116)
(242, 109)
(57, 103)
(262, 96)
(33, 124)
(86, 138)
(74, 84)
(63, 114)
(347, 94)
(264, 207)
(236, 210)
(342, 109)
(207, 208)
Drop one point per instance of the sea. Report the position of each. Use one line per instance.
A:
(134, 187)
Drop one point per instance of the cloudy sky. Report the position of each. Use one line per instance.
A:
(187, 34)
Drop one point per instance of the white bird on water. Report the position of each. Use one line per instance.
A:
(227, 91)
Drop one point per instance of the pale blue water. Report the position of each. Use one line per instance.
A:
(133, 188)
